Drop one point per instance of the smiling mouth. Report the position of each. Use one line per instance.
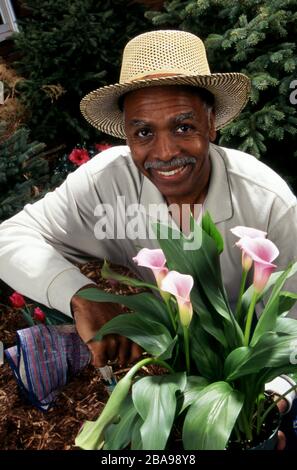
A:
(172, 174)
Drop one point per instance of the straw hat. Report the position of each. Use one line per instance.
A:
(165, 57)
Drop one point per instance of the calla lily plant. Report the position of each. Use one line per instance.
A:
(214, 361)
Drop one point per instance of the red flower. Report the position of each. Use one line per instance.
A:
(39, 315)
(79, 156)
(103, 146)
(17, 300)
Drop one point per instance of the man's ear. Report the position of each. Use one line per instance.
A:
(212, 126)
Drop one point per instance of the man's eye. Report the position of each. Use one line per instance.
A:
(183, 128)
(143, 133)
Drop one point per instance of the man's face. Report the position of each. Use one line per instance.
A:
(168, 130)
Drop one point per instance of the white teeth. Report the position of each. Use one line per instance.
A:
(172, 172)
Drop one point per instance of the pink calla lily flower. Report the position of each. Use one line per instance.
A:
(250, 232)
(240, 231)
(262, 252)
(153, 259)
(180, 285)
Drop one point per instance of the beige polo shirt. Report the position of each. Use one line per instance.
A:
(85, 218)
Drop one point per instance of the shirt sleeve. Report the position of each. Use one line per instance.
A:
(39, 245)
(280, 386)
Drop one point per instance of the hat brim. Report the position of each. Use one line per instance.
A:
(231, 92)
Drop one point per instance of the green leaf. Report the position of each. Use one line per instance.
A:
(108, 273)
(155, 400)
(287, 301)
(269, 374)
(210, 228)
(268, 317)
(145, 303)
(167, 354)
(271, 350)
(294, 376)
(28, 317)
(205, 351)
(118, 436)
(208, 317)
(136, 441)
(247, 296)
(286, 326)
(211, 418)
(153, 337)
(194, 385)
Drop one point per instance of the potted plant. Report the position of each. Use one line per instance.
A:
(213, 363)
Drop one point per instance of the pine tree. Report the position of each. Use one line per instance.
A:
(258, 38)
(68, 48)
(23, 171)
(28, 171)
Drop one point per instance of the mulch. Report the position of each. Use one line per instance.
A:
(24, 427)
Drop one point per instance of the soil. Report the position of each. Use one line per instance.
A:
(24, 427)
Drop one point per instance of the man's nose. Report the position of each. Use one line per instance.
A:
(164, 147)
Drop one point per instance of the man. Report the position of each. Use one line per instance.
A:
(168, 106)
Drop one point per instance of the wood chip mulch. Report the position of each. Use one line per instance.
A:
(24, 427)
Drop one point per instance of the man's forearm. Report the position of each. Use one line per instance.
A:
(33, 267)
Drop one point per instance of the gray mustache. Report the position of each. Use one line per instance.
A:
(180, 161)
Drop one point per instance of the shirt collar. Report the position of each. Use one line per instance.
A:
(218, 200)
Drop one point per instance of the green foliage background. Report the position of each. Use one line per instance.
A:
(76, 45)
(26, 170)
(22, 169)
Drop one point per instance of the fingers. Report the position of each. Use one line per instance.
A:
(281, 441)
(103, 351)
(128, 352)
(111, 348)
(124, 351)
(136, 352)
(98, 353)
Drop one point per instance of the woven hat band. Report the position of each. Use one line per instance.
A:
(163, 52)
(160, 74)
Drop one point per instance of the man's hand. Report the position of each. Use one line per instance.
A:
(89, 317)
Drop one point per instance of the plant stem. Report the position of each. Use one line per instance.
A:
(249, 319)
(238, 312)
(260, 402)
(245, 425)
(146, 361)
(187, 347)
(171, 314)
(237, 432)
